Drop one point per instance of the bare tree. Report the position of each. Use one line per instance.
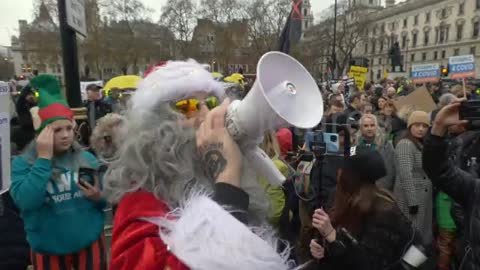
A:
(125, 17)
(266, 20)
(179, 17)
(221, 11)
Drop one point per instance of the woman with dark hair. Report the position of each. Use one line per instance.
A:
(367, 230)
(413, 189)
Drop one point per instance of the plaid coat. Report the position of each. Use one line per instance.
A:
(413, 188)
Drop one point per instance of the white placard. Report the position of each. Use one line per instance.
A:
(4, 137)
(76, 16)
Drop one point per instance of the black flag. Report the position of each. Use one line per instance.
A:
(292, 31)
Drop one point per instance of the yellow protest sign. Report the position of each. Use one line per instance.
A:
(360, 76)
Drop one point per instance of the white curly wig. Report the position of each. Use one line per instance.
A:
(157, 153)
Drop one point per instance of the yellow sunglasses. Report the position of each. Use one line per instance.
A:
(191, 105)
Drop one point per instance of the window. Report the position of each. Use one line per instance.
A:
(381, 46)
(435, 55)
(443, 35)
(373, 46)
(415, 20)
(306, 24)
(379, 74)
(424, 56)
(473, 50)
(444, 13)
(370, 2)
(383, 27)
(405, 22)
(305, 12)
(59, 68)
(426, 38)
(380, 61)
(461, 9)
(459, 32)
(427, 17)
(404, 42)
(476, 28)
(375, 31)
(478, 4)
(414, 40)
(366, 47)
(456, 52)
(412, 57)
(444, 54)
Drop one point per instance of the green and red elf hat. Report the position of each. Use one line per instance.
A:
(51, 104)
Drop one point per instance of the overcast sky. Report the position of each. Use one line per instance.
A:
(12, 11)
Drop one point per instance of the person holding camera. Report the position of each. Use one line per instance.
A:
(365, 229)
(56, 188)
(461, 186)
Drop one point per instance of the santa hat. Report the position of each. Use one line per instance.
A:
(51, 104)
(174, 81)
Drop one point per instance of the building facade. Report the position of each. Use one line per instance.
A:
(428, 31)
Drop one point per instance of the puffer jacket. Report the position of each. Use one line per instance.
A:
(463, 187)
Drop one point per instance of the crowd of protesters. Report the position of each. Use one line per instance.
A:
(393, 183)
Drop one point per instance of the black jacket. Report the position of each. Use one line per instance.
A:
(102, 108)
(385, 236)
(14, 249)
(463, 187)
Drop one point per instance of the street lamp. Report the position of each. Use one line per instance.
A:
(334, 54)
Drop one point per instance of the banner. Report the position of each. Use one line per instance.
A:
(83, 87)
(360, 76)
(4, 136)
(425, 73)
(461, 67)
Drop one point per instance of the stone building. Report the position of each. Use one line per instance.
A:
(428, 31)
(222, 45)
(112, 48)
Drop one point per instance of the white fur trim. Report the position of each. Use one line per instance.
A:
(204, 236)
(174, 81)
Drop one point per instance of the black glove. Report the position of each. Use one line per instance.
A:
(413, 210)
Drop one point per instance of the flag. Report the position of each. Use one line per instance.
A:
(292, 31)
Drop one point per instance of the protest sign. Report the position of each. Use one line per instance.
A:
(4, 137)
(360, 76)
(461, 67)
(420, 99)
(425, 73)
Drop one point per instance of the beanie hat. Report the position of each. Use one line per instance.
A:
(368, 164)
(174, 81)
(418, 117)
(51, 104)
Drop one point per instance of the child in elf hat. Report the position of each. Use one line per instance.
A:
(56, 188)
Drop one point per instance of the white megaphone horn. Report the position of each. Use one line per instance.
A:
(284, 94)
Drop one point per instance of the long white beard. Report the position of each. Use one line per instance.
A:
(204, 236)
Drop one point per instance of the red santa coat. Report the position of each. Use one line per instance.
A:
(136, 243)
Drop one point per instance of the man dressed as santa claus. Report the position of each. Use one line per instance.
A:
(186, 196)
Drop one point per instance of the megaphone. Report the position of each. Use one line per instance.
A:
(284, 94)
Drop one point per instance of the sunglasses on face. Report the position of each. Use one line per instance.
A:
(191, 105)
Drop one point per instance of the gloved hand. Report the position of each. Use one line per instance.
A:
(413, 210)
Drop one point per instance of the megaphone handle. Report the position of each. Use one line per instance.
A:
(264, 165)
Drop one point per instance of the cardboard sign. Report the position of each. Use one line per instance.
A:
(425, 73)
(4, 137)
(360, 76)
(461, 67)
(420, 99)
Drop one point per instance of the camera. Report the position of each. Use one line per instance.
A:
(322, 142)
(470, 110)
